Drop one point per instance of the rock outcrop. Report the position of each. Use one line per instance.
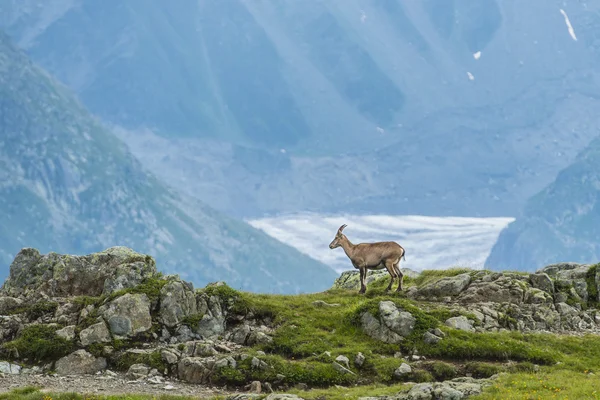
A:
(459, 388)
(392, 326)
(351, 279)
(556, 298)
(94, 308)
(56, 275)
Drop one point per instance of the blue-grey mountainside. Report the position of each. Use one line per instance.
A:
(454, 107)
(69, 185)
(561, 223)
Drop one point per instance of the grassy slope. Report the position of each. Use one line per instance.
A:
(566, 365)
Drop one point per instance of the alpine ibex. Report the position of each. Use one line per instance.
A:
(375, 256)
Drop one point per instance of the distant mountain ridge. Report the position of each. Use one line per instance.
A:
(465, 108)
(69, 185)
(559, 224)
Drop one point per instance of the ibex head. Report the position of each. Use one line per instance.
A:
(338, 236)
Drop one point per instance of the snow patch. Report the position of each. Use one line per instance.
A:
(569, 26)
(430, 242)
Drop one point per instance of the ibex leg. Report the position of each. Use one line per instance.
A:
(390, 267)
(400, 276)
(363, 274)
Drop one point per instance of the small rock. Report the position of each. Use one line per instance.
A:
(397, 354)
(461, 323)
(415, 357)
(80, 362)
(321, 303)
(68, 332)
(168, 356)
(542, 281)
(402, 370)
(137, 371)
(430, 338)
(359, 360)
(260, 364)
(177, 301)
(438, 332)
(340, 368)
(128, 315)
(343, 360)
(225, 362)
(268, 387)
(169, 387)
(222, 348)
(261, 353)
(8, 368)
(97, 333)
(8, 304)
(255, 387)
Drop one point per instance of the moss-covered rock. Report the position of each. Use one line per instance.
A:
(58, 275)
(128, 315)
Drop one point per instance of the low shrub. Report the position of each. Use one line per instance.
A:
(482, 369)
(442, 371)
(37, 310)
(40, 343)
(314, 374)
(124, 360)
(460, 345)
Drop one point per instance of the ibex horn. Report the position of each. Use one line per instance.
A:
(342, 228)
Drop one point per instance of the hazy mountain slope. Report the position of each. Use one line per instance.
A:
(561, 223)
(419, 103)
(68, 185)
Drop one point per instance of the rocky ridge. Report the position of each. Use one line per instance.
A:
(112, 315)
(560, 298)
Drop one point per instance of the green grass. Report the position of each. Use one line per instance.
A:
(312, 373)
(442, 371)
(561, 384)
(479, 369)
(429, 276)
(192, 320)
(305, 332)
(39, 343)
(37, 310)
(150, 287)
(123, 361)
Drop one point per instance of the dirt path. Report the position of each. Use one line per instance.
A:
(106, 384)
